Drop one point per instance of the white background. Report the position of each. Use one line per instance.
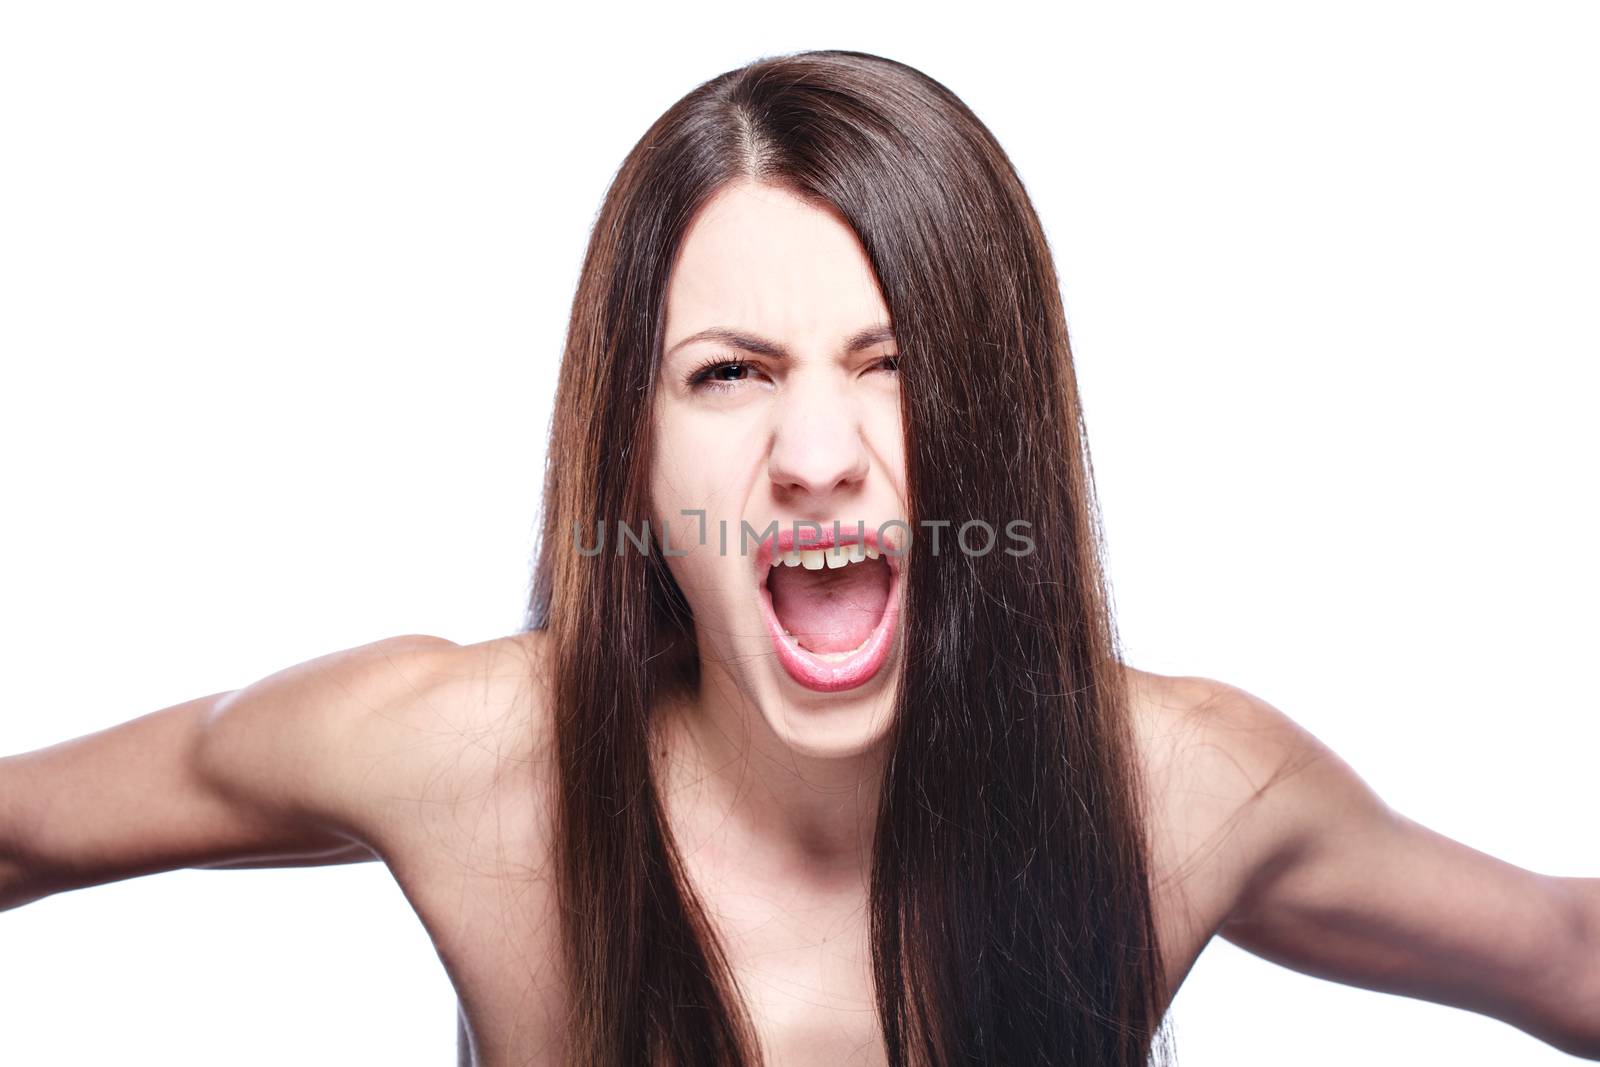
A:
(282, 293)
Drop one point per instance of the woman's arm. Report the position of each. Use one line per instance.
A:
(1345, 888)
(269, 775)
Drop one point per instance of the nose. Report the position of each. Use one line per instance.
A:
(818, 452)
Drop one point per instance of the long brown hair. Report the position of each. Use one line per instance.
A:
(1010, 906)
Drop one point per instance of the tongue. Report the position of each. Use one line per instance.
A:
(830, 610)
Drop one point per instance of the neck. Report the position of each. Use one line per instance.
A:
(742, 798)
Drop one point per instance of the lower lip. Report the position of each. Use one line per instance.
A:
(825, 676)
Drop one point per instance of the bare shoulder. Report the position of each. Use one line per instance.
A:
(468, 731)
(1265, 836)
(1197, 731)
(277, 747)
(463, 817)
(363, 738)
(1235, 787)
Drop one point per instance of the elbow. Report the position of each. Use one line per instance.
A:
(20, 880)
(11, 881)
(1576, 1029)
(25, 876)
(20, 884)
(13, 868)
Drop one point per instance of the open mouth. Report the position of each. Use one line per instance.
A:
(830, 605)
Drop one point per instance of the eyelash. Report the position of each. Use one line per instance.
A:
(700, 379)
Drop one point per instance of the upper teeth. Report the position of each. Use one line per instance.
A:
(814, 559)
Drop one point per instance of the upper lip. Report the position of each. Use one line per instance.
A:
(785, 540)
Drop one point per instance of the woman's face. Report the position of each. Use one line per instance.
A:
(797, 418)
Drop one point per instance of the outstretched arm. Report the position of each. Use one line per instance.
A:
(1343, 887)
(264, 776)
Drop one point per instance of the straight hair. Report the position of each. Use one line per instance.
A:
(1010, 906)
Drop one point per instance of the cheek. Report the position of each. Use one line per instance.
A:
(677, 473)
(887, 437)
(689, 486)
(705, 459)
(667, 487)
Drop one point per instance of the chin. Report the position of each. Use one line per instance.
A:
(833, 726)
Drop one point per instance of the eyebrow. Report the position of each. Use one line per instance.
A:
(749, 342)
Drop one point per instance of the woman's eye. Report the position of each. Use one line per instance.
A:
(721, 376)
(718, 376)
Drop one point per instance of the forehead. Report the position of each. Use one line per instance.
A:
(760, 259)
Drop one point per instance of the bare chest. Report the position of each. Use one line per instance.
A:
(801, 961)
(475, 862)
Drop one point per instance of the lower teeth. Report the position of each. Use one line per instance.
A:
(828, 657)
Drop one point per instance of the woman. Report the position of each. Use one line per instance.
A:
(907, 806)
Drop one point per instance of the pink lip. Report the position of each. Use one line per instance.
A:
(822, 675)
